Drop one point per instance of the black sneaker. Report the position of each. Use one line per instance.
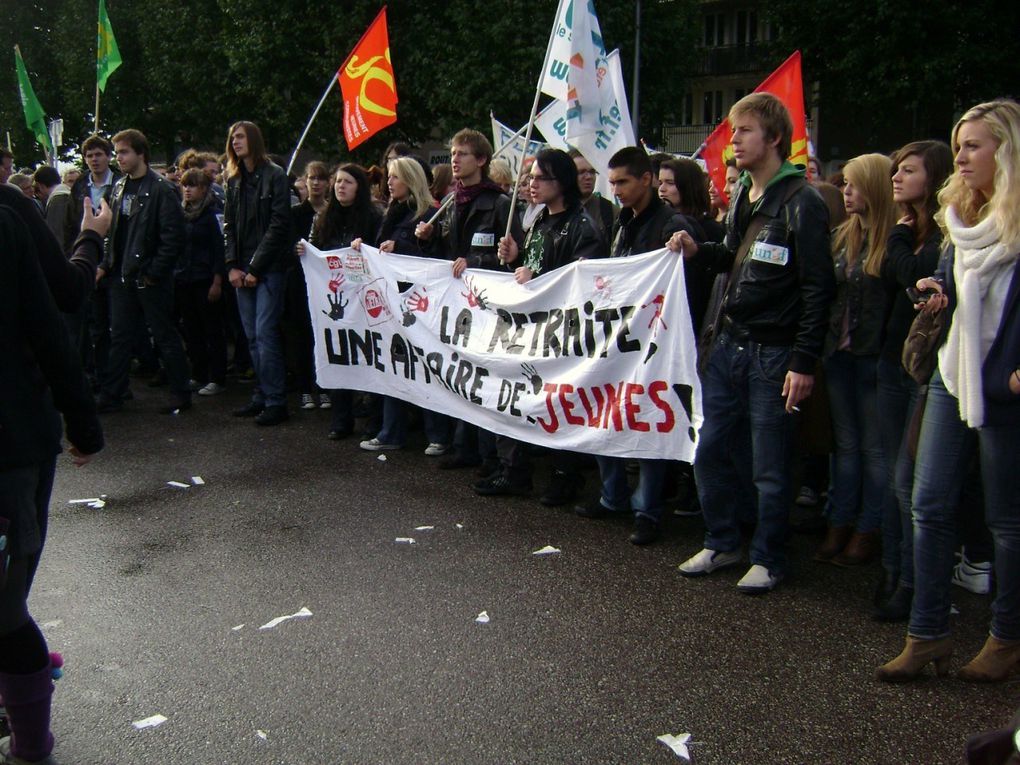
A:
(594, 509)
(272, 415)
(500, 485)
(489, 468)
(562, 489)
(253, 409)
(176, 405)
(645, 531)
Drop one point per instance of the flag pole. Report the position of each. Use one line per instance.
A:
(95, 128)
(506, 145)
(301, 140)
(531, 117)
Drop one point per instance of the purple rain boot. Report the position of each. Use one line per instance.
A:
(27, 699)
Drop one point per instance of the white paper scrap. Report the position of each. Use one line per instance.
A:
(149, 722)
(238, 628)
(424, 528)
(198, 480)
(460, 525)
(51, 624)
(87, 501)
(547, 550)
(483, 617)
(304, 613)
(677, 743)
(262, 735)
(98, 504)
(381, 458)
(178, 485)
(404, 540)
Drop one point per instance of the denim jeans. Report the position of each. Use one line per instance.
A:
(858, 480)
(1000, 466)
(743, 404)
(945, 445)
(132, 307)
(260, 309)
(897, 401)
(647, 499)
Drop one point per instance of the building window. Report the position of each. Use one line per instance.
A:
(687, 118)
(738, 94)
(741, 28)
(752, 27)
(718, 106)
(709, 30)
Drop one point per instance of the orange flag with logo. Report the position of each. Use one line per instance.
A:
(368, 87)
(787, 84)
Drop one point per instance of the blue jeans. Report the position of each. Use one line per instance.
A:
(260, 309)
(646, 499)
(944, 447)
(1000, 466)
(858, 476)
(743, 404)
(394, 424)
(897, 401)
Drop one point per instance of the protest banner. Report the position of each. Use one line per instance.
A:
(596, 357)
(511, 145)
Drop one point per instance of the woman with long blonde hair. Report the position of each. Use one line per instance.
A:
(976, 387)
(858, 487)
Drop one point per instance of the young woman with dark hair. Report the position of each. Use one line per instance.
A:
(350, 214)
(683, 185)
(912, 252)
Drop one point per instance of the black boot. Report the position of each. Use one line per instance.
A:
(897, 608)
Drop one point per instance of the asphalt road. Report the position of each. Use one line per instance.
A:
(589, 654)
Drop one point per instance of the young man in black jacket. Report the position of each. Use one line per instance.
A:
(468, 234)
(145, 242)
(645, 224)
(258, 227)
(761, 365)
(562, 234)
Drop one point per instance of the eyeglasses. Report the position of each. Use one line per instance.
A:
(540, 178)
(592, 173)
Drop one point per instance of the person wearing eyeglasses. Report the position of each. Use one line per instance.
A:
(601, 210)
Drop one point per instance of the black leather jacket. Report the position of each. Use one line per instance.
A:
(474, 230)
(574, 237)
(274, 226)
(155, 235)
(782, 296)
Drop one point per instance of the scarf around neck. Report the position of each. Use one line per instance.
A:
(468, 194)
(982, 270)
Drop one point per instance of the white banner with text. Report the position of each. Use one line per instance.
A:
(595, 357)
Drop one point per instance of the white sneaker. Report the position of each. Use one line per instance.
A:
(707, 561)
(807, 497)
(211, 389)
(307, 401)
(436, 450)
(375, 445)
(324, 402)
(758, 580)
(975, 577)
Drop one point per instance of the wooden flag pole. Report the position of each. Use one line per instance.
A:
(293, 157)
(95, 127)
(531, 118)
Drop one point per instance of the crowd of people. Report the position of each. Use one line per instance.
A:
(858, 340)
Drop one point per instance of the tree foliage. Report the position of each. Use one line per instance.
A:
(191, 67)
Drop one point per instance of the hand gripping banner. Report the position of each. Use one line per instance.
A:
(595, 357)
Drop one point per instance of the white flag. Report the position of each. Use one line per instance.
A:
(615, 133)
(514, 153)
(578, 70)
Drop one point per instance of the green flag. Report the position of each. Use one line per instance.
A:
(107, 52)
(34, 117)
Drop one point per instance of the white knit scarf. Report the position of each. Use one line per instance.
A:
(981, 261)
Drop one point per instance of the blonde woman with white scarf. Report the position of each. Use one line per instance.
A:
(976, 388)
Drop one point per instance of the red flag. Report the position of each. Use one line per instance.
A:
(787, 84)
(369, 90)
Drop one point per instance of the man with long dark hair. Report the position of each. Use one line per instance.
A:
(258, 227)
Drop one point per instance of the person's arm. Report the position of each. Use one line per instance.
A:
(278, 235)
(170, 233)
(817, 281)
(902, 267)
(47, 337)
(230, 225)
(590, 244)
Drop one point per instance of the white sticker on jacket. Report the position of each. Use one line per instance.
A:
(483, 240)
(770, 253)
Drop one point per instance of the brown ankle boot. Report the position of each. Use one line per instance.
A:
(835, 540)
(860, 549)
(916, 655)
(996, 661)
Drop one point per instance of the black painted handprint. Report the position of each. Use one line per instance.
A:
(336, 307)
